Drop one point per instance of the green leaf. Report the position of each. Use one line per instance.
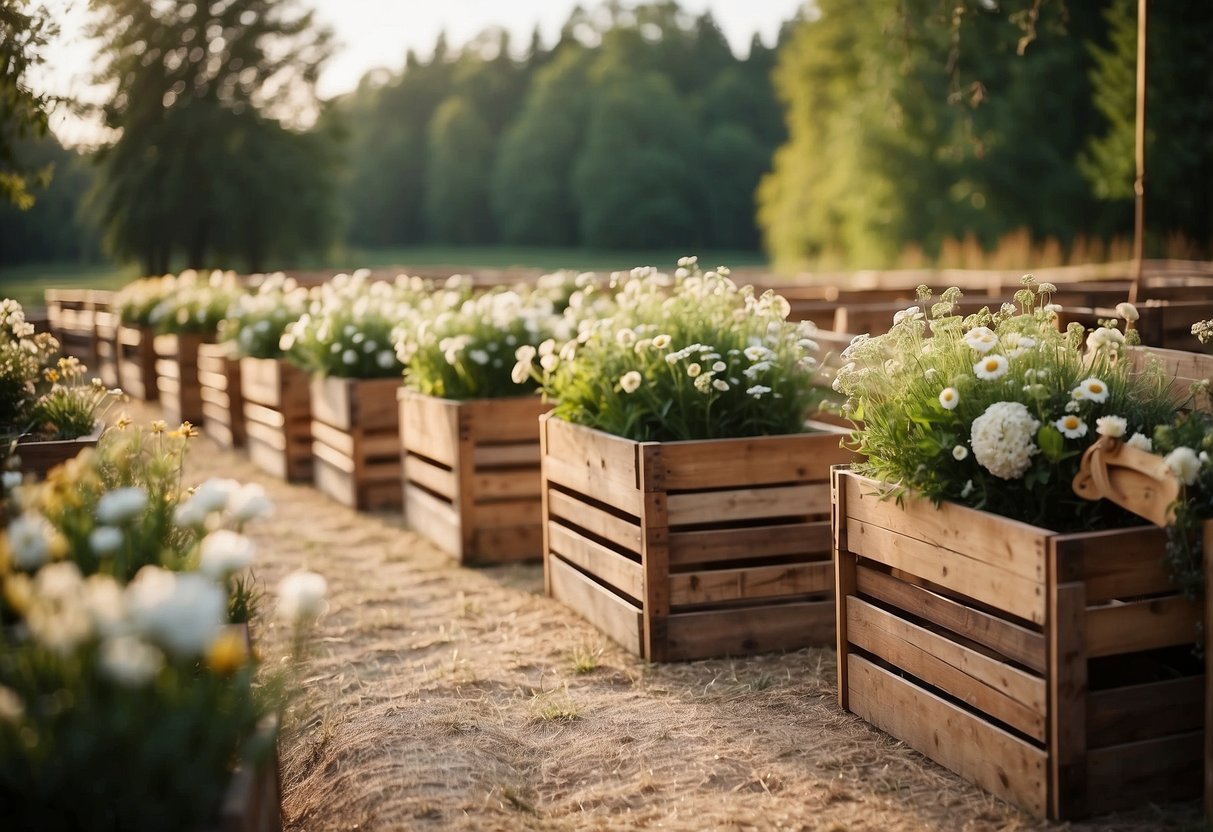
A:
(1051, 443)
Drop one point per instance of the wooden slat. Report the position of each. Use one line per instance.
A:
(971, 577)
(332, 401)
(430, 427)
(256, 414)
(594, 520)
(743, 631)
(753, 461)
(513, 419)
(844, 579)
(1141, 625)
(989, 756)
(608, 566)
(1138, 712)
(984, 683)
(1120, 563)
(342, 441)
(1016, 548)
(1011, 640)
(431, 476)
(505, 456)
(581, 479)
(750, 542)
(333, 480)
(506, 483)
(1067, 681)
(433, 519)
(504, 513)
(1134, 774)
(748, 583)
(262, 380)
(748, 504)
(599, 456)
(608, 612)
(506, 544)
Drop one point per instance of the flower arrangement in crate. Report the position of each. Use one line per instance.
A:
(136, 300)
(194, 303)
(978, 425)
(44, 399)
(257, 319)
(469, 433)
(687, 498)
(117, 641)
(994, 410)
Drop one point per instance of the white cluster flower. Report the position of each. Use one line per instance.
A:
(183, 612)
(982, 339)
(1106, 339)
(1112, 426)
(1003, 439)
(121, 504)
(1141, 442)
(301, 597)
(30, 537)
(1185, 464)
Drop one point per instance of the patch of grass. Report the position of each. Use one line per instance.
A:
(27, 283)
(505, 257)
(555, 707)
(584, 659)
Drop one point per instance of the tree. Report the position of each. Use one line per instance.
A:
(25, 30)
(204, 99)
(51, 230)
(460, 155)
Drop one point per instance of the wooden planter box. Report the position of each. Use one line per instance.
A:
(1055, 671)
(219, 387)
(253, 800)
(1183, 369)
(137, 362)
(1163, 323)
(177, 376)
(471, 475)
(70, 314)
(685, 550)
(356, 441)
(39, 457)
(277, 417)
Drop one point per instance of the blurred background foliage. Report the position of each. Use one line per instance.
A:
(873, 134)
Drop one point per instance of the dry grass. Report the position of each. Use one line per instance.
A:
(444, 698)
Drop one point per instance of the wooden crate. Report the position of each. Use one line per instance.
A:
(1183, 369)
(252, 801)
(177, 377)
(69, 313)
(356, 441)
(1056, 671)
(685, 550)
(219, 387)
(106, 324)
(277, 417)
(137, 362)
(471, 475)
(1163, 323)
(39, 457)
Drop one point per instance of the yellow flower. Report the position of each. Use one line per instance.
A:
(228, 652)
(51, 374)
(123, 422)
(186, 430)
(159, 426)
(19, 592)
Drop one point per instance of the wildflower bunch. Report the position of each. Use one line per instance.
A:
(1186, 443)
(688, 356)
(463, 348)
(73, 405)
(257, 319)
(24, 355)
(995, 409)
(136, 300)
(347, 329)
(196, 303)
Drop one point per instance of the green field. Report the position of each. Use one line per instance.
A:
(26, 283)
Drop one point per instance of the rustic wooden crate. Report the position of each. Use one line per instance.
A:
(106, 324)
(177, 376)
(252, 801)
(1183, 369)
(685, 550)
(277, 417)
(219, 387)
(356, 441)
(137, 362)
(1163, 323)
(70, 313)
(471, 475)
(1056, 671)
(39, 457)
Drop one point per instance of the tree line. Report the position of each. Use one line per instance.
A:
(871, 128)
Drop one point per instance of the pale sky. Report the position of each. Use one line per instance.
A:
(377, 33)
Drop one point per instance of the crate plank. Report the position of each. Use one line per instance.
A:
(431, 518)
(595, 457)
(1118, 563)
(743, 631)
(430, 476)
(1141, 625)
(614, 616)
(748, 503)
(1114, 715)
(994, 759)
(505, 484)
(713, 586)
(1158, 770)
(722, 463)
(700, 547)
(621, 573)
(506, 456)
(594, 520)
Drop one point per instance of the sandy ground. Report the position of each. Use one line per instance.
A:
(437, 697)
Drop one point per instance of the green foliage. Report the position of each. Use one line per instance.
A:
(25, 30)
(203, 169)
(1187, 443)
(456, 347)
(692, 357)
(72, 406)
(257, 319)
(460, 154)
(995, 410)
(137, 300)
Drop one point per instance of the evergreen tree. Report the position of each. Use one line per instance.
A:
(460, 156)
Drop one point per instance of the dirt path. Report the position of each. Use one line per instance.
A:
(445, 698)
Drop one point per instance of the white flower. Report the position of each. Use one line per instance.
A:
(720, 384)
(105, 604)
(991, 367)
(960, 453)
(521, 372)
(1141, 442)
(1073, 406)
(10, 480)
(29, 541)
(967, 490)
(758, 391)
(301, 597)
(1071, 426)
(349, 357)
(58, 618)
(549, 362)
(1113, 426)
(719, 367)
(1127, 311)
(11, 707)
(1093, 389)
(1185, 464)
(693, 370)
(104, 540)
(913, 313)
(479, 357)
(129, 661)
(981, 338)
(1105, 338)
(213, 495)
(625, 337)
(121, 504)
(182, 612)
(949, 397)
(525, 354)
(661, 341)
(385, 359)
(630, 381)
(224, 552)
(1003, 439)
(1016, 344)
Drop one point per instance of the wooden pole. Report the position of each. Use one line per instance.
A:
(1139, 184)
